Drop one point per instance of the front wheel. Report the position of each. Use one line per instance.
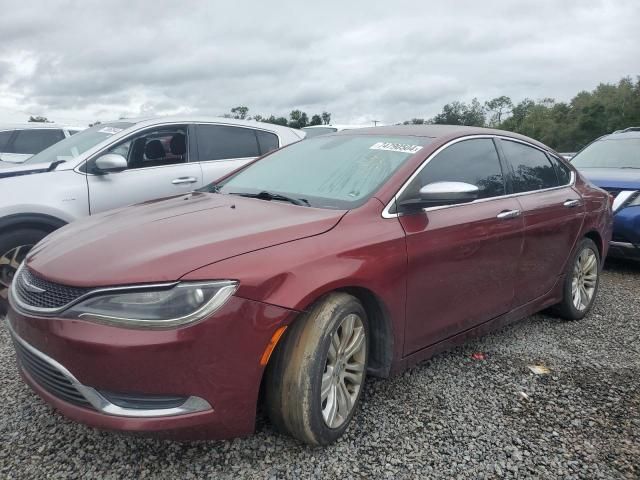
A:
(316, 377)
(14, 247)
(581, 282)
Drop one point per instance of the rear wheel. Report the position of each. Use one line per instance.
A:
(316, 376)
(581, 282)
(14, 247)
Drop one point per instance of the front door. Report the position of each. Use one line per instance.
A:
(462, 258)
(158, 166)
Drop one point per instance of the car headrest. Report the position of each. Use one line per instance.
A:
(178, 144)
(154, 150)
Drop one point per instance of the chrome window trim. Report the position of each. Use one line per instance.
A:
(20, 306)
(386, 212)
(193, 404)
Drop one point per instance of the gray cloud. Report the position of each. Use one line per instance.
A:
(82, 61)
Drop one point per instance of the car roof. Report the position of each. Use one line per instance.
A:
(621, 134)
(37, 125)
(438, 131)
(150, 121)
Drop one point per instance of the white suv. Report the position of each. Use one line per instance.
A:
(20, 141)
(116, 164)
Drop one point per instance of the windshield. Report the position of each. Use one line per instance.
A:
(71, 147)
(314, 132)
(619, 153)
(338, 172)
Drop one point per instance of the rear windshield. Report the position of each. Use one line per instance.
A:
(338, 172)
(618, 153)
(77, 144)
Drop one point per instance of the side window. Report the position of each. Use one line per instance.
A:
(217, 142)
(470, 161)
(34, 141)
(4, 139)
(532, 170)
(267, 141)
(154, 148)
(563, 172)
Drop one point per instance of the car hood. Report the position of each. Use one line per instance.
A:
(165, 239)
(625, 178)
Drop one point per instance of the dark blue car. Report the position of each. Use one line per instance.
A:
(612, 162)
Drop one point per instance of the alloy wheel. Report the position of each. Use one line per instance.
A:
(585, 279)
(343, 371)
(9, 263)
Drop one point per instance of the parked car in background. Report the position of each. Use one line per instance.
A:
(316, 130)
(20, 141)
(344, 255)
(612, 162)
(568, 155)
(116, 164)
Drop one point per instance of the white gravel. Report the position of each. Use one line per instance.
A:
(450, 417)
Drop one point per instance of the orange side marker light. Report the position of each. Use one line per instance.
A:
(272, 345)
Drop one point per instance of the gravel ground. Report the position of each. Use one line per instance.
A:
(450, 417)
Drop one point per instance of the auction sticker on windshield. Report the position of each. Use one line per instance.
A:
(110, 130)
(396, 147)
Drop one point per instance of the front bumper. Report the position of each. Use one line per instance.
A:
(626, 234)
(211, 369)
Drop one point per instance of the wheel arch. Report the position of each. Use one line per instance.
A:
(597, 239)
(31, 220)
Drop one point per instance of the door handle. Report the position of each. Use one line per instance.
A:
(507, 214)
(571, 203)
(181, 180)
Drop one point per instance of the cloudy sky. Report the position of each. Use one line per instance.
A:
(81, 61)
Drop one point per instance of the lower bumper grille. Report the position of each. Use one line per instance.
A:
(49, 377)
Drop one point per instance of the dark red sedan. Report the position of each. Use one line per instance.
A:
(344, 255)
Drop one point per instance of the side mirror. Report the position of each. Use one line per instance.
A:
(441, 193)
(111, 163)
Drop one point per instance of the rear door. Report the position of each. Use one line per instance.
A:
(462, 258)
(553, 213)
(222, 149)
(159, 166)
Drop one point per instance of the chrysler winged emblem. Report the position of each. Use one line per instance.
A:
(32, 288)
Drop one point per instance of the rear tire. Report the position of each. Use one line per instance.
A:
(316, 375)
(14, 246)
(582, 279)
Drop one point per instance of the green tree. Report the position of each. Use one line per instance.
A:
(298, 119)
(39, 119)
(316, 120)
(498, 109)
(240, 112)
(326, 118)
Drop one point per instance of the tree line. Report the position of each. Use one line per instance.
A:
(297, 118)
(564, 126)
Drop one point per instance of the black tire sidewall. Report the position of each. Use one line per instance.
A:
(323, 433)
(570, 310)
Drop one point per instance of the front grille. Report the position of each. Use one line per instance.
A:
(52, 297)
(49, 377)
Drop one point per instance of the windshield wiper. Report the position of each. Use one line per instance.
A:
(265, 195)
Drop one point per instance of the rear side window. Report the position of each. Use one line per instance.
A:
(217, 142)
(532, 170)
(267, 141)
(563, 172)
(34, 141)
(4, 139)
(469, 161)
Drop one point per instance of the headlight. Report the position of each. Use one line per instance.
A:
(156, 308)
